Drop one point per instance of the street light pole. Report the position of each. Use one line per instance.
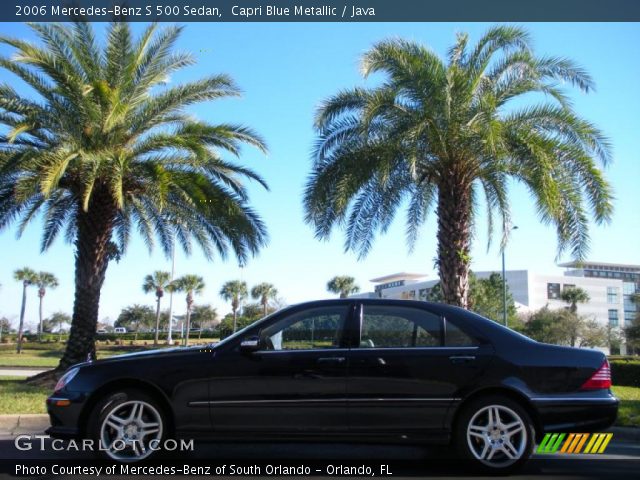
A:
(173, 271)
(504, 285)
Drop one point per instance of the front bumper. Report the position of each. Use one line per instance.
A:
(65, 420)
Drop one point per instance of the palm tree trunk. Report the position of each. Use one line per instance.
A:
(264, 306)
(186, 338)
(235, 320)
(22, 309)
(454, 224)
(93, 252)
(155, 336)
(41, 295)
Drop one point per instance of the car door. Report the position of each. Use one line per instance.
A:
(403, 378)
(294, 383)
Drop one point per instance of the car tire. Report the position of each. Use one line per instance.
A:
(495, 434)
(127, 426)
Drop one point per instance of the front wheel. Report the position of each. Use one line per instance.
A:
(128, 425)
(495, 433)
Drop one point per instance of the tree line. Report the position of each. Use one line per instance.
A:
(103, 146)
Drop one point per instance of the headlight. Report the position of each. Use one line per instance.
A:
(66, 378)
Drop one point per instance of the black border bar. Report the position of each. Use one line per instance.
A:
(321, 11)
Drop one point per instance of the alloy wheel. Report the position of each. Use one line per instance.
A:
(131, 431)
(497, 436)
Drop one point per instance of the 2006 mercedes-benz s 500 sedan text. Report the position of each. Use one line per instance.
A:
(350, 369)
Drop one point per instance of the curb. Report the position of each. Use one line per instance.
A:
(23, 424)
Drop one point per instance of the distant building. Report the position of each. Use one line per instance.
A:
(629, 274)
(609, 286)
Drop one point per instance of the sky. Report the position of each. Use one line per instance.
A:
(285, 70)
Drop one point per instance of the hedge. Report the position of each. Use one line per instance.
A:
(625, 372)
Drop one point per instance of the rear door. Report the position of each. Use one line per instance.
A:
(402, 376)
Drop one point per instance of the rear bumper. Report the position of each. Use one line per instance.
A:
(576, 414)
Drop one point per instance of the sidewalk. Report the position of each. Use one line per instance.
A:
(21, 371)
(12, 425)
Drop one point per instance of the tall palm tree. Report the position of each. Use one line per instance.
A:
(343, 285)
(192, 285)
(107, 147)
(44, 280)
(157, 283)
(234, 291)
(449, 133)
(27, 277)
(264, 292)
(573, 296)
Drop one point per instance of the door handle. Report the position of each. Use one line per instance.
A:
(331, 360)
(462, 358)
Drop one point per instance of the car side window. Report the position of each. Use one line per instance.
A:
(399, 327)
(319, 328)
(454, 337)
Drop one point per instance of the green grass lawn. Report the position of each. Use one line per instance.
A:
(629, 411)
(17, 397)
(48, 355)
(39, 358)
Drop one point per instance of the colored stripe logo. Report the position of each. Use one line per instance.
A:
(574, 443)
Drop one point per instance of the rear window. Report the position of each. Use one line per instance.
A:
(454, 337)
(399, 327)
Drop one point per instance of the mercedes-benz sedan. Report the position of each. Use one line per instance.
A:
(344, 370)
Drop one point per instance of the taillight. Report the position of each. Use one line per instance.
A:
(600, 379)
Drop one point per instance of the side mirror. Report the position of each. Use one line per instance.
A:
(250, 344)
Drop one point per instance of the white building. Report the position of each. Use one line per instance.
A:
(531, 291)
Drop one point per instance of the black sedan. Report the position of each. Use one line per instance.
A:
(350, 369)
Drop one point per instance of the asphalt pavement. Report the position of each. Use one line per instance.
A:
(621, 461)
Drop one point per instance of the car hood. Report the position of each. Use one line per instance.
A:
(150, 354)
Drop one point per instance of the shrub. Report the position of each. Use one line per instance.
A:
(625, 372)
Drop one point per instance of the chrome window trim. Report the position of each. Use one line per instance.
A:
(358, 349)
(302, 350)
(416, 348)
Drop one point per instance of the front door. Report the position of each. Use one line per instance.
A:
(294, 383)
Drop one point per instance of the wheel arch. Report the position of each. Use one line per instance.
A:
(130, 384)
(503, 391)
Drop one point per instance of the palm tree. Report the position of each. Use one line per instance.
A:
(108, 147)
(157, 283)
(44, 280)
(343, 285)
(573, 296)
(192, 285)
(205, 315)
(264, 292)
(446, 133)
(234, 291)
(27, 277)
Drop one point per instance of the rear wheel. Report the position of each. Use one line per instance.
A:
(495, 433)
(128, 426)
